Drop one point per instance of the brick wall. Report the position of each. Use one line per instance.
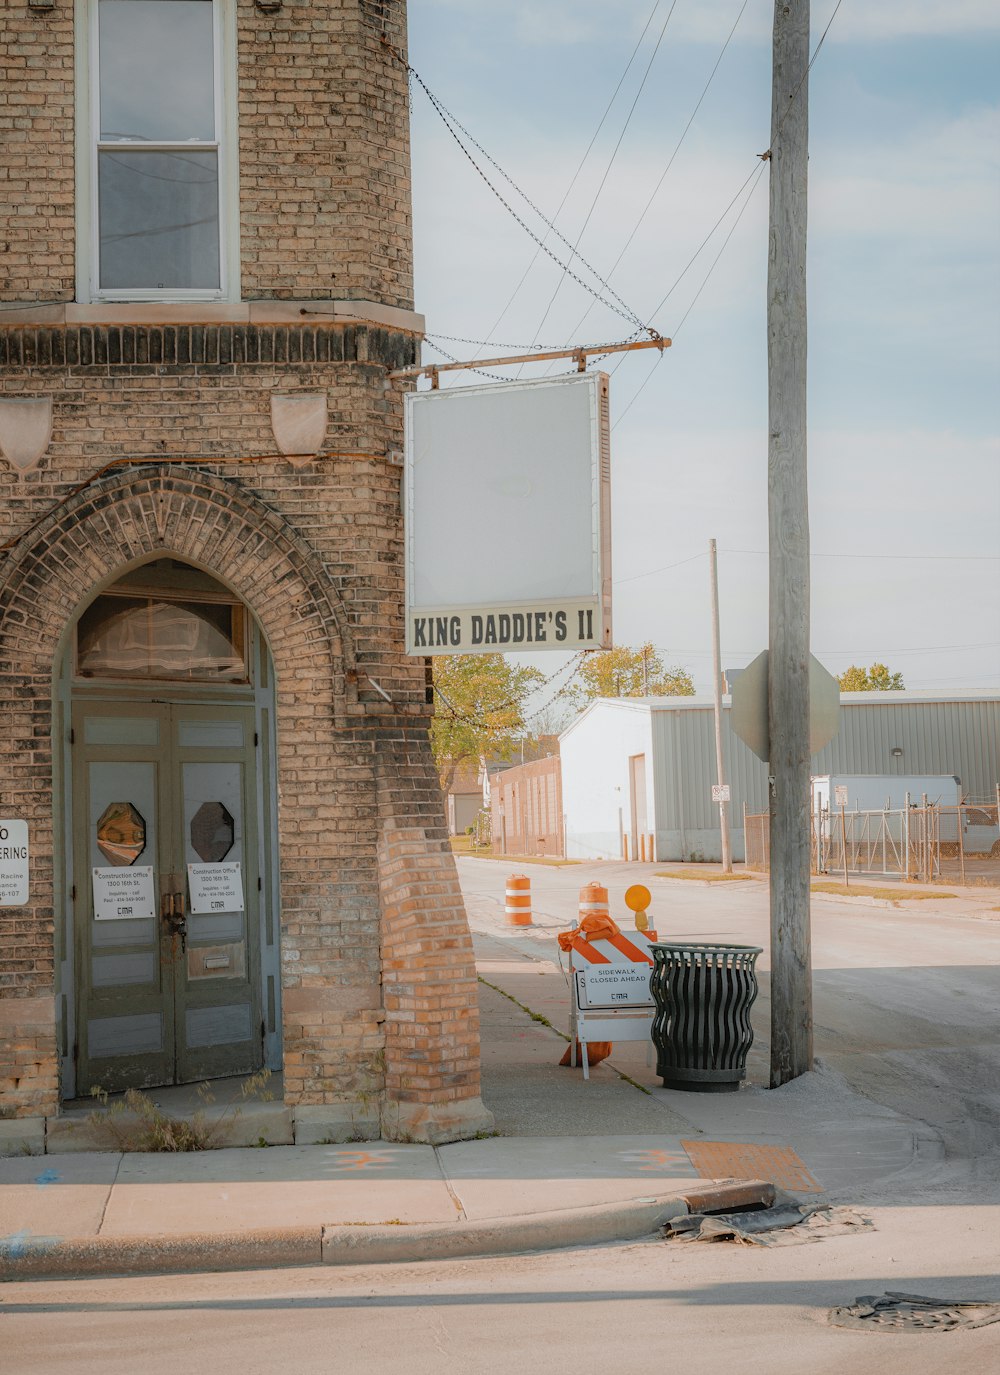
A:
(324, 163)
(36, 163)
(532, 818)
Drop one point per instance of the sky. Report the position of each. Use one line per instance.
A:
(903, 281)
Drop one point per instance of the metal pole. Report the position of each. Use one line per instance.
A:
(906, 836)
(788, 547)
(720, 767)
(961, 843)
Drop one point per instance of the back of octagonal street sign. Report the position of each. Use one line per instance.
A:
(748, 714)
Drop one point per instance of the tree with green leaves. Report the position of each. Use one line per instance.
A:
(627, 672)
(878, 678)
(479, 702)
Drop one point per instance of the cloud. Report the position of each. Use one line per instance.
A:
(885, 19)
(572, 23)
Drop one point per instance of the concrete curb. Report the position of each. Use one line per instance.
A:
(49, 1258)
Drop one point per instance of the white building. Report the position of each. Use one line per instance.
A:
(638, 772)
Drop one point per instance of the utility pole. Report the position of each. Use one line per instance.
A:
(645, 671)
(788, 544)
(720, 766)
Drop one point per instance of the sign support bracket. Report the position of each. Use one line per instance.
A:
(432, 370)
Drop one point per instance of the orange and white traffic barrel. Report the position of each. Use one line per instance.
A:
(593, 899)
(518, 900)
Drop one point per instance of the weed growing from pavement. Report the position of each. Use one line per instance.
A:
(535, 1016)
(544, 1021)
(136, 1123)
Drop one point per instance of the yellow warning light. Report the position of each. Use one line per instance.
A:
(637, 899)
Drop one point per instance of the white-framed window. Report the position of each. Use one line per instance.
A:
(157, 190)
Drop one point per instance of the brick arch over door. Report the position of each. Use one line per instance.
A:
(150, 511)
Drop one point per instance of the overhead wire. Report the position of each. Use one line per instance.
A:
(670, 161)
(754, 177)
(749, 196)
(607, 170)
(612, 300)
(455, 128)
(566, 194)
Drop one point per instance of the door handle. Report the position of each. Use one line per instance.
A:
(173, 915)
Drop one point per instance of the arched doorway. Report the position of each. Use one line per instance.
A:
(170, 971)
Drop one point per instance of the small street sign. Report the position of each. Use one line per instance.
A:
(13, 863)
(840, 794)
(720, 792)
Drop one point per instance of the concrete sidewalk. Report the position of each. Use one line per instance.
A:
(576, 1163)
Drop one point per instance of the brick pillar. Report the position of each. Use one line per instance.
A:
(429, 982)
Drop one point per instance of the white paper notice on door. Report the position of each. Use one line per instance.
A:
(215, 887)
(124, 894)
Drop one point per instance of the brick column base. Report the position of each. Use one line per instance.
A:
(429, 985)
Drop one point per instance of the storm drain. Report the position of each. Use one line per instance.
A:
(912, 1313)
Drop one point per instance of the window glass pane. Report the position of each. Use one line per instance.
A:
(159, 215)
(143, 637)
(157, 70)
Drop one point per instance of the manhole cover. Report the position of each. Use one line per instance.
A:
(912, 1313)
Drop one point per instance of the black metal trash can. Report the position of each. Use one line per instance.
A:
(702, 1032)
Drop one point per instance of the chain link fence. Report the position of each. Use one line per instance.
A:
(926, 843)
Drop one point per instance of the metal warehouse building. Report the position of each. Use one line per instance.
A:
(637, 773)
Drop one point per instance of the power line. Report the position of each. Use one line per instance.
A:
(920, 558)
(670, 161)
(607, 170)
(665, 569)
(715, 261)
(454, 127)
(576, 174)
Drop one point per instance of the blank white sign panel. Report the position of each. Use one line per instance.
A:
(507, 503)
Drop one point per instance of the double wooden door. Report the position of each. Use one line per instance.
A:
(167, 956)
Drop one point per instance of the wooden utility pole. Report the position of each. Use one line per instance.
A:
(788, 543)
(720, 763)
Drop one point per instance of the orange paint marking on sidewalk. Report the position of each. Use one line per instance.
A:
(666, 1162)
(359, 1160)
(745, 1160)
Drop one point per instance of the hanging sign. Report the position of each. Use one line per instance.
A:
(13, 863)
(215, 887)
(507, 504)
(124, 894)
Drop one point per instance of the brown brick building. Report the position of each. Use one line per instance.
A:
(237, 843)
